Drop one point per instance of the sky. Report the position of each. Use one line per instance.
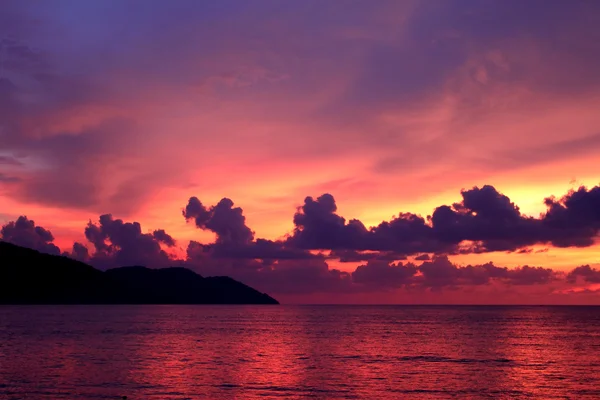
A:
(330, 152)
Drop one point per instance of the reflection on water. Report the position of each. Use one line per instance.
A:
(346, 352)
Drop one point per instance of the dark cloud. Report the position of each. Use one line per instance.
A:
(527, 275)
(408, 234)
(589, 274)
(484, 221)
(319, 227)
(235, 240)
(525, 251)
(24, 232)
(440, 272)
(164, 237)
(380, 274)
(119, 243)
(261, 249)
(574, 220)
(284, 275)
(226, 221)
(79, 252)
(302, 277)
(358, 256)
(271, 266)
(488, 217)
(287, 266)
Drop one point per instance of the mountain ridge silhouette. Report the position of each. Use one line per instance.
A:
(30, 277)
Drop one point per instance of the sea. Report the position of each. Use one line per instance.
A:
(294, 352)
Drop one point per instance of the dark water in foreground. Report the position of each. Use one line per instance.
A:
(345, 352)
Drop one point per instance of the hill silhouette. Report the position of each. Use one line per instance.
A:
(30, 277)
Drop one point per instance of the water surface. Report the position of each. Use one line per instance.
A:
(329, 352)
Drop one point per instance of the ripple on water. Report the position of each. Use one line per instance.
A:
(180, 352)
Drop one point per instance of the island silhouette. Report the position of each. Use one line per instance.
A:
(30, 277)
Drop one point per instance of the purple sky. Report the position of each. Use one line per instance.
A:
(335, 128)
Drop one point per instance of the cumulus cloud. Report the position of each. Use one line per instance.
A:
(379, 274)
(484, 215)
(484, 219)
(440, 273)
(574, 219)
(268, 265)
(225, 220)
(235, 239)
(79, 252)
(24, 232)
(587, 273)
(314, 276)
(318, 226)
(119, 243)
(163, 237)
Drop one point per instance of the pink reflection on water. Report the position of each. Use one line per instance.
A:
(170, 352)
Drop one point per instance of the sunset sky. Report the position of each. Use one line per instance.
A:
(155, 111)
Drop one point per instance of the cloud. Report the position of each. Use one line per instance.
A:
(119, 243)
(71, 131)
(317, 226)
(589, 274)
(8, 179)
(440, 273)
(277, 267)
(226, 221)
(484, 221)
(291, 275)
(379, 274)
(574, 219)
(345, 256)
(302, 277)
(483, 216)
(234, 239)
(527, 275)
(163, 237)
(272, 266)
(69, 170)
(79, 252)
(488, 217)
(24, 232)
(403, 97)
(373, 61)
(11, 161)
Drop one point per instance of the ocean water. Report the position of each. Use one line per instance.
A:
(288, 352)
